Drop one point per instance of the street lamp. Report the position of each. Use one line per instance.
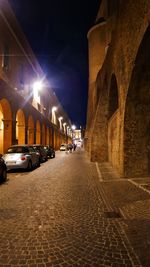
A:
(60, 121)
(53, 114)
(73, 127)
(54, 109)
(60, 118)
(68, 130)
(64, 125)
(37, 86)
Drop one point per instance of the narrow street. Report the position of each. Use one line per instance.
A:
(69, 212)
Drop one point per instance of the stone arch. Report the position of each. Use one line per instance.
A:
(20, 127)
(137, 115)
(30, 130)
(38, 132)
(5, 125)
(113, 123)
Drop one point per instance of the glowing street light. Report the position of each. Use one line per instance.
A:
(60, 121)
(60, 118)
(54, 109)
(73, 127)
(64, 125)
(53, 114)
(37, 86)
(68, 130)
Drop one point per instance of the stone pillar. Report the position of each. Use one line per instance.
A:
(14, 140)
(26, 134)
(52, 137)
(34, 136)
(7, 134)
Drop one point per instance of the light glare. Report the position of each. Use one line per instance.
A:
(54, 109)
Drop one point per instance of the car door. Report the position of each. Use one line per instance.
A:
(33, 155)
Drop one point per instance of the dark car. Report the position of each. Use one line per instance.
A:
(3, 169)
(40, 149)
(50, 151)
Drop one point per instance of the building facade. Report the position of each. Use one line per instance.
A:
(118, 114)
(78, 137)
(29, 109)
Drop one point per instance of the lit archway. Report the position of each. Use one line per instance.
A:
(30, 130)
(137, 115)
(20, 127)
(38, 132)
(5, 125)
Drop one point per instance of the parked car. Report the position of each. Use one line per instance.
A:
(3, 169)
(21, 157)
(50, 151)
(63, 147)
(42, 152)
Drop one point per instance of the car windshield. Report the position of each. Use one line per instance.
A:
(17, 150)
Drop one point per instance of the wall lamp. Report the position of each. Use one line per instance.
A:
(54, 109)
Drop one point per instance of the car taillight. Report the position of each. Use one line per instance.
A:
(23, 158)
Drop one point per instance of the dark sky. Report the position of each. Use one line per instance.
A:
(57, 32)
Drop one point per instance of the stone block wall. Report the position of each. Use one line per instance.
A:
(126, 58)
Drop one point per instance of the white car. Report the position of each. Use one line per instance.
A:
(63, 147)
(21, 157)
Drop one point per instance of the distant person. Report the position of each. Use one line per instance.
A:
(69, 147)
(74, 147)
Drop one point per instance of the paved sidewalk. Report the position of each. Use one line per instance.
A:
(131, 199)
(63, 214)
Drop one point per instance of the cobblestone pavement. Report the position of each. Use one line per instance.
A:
(131, 198)
(63, 214)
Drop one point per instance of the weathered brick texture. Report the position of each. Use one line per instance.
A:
(119, 50)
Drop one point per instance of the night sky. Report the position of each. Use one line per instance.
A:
(57, 32)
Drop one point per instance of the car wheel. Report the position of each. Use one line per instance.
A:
(4, 175)
(39, 163)
(29, 168)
